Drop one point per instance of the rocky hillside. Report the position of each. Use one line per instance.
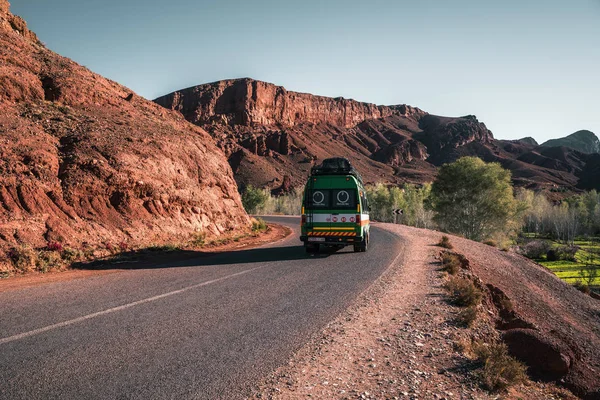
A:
(583, 141)
(269, 133)
(86, 161)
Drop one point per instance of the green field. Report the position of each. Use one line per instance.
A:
(569, 270)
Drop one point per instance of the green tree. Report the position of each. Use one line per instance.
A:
(415, 211)
(381, 201)
(254, 199)
(474, 199)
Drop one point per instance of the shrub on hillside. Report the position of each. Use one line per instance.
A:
(54, 246)
(552, 255)
(468, 316)
(463, 292)
(198, 239)
(259, 225)
(450, 263)
(445, 242)
(498, 369)
(23, 258)
(535, 249)
(71, 255)
(48, 260)
(589, 273)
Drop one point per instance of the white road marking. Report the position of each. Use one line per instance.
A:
(119, 308)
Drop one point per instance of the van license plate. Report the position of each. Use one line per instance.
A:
(316, 239)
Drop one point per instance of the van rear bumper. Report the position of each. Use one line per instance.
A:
(331, 239)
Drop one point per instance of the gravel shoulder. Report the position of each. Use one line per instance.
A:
(399, 340)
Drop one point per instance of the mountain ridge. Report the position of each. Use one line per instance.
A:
(246, 101)
(582, 140)
(269, 133)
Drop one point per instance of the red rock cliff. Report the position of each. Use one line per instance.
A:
(85, 160)
(247, 102)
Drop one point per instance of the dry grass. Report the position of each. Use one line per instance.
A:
(463, 292)
(450, 263)
(198, 239)
(23, 258)
(468, 316)
(259, 225)
(26, 259)
(72, 255)
(445, 242)
(498, 369)
(49, 260)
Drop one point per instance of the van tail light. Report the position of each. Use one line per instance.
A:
(358, 219)
(303, 219)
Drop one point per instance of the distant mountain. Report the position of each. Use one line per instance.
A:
(273, 136)
(584, 141)
(528, 140)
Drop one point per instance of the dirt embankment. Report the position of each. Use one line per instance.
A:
(403, 338)
(84, 161)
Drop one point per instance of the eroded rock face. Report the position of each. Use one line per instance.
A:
(547, 358)
(509, 318)
(83, 159)
(248, 102)
(9, 22)
(441, 133)
(401, 153)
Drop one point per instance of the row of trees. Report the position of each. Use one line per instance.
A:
(413, 200)
(469, 197)
(260, 201)
(576, 216)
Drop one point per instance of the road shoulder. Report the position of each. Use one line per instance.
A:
(399, 340)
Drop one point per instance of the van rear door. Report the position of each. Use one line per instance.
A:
(320, 211)
(343, 204)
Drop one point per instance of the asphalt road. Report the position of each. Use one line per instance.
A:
(204, 328)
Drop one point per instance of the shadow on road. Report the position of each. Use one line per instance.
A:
(186, 258)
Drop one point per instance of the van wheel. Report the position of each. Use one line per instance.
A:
(362, 246)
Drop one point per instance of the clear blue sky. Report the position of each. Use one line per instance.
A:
(525, 68)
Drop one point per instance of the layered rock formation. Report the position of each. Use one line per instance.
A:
(249, 102)
(269, 133)
(84, 160)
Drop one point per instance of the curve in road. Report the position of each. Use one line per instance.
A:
(209, 327)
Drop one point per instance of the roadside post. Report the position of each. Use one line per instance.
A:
(396, 212)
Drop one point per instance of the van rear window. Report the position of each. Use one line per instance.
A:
(318, 198)
(343, 198)
(340, 199)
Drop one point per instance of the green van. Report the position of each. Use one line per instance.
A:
(335, 211)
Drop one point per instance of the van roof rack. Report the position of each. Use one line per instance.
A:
(336, 166)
